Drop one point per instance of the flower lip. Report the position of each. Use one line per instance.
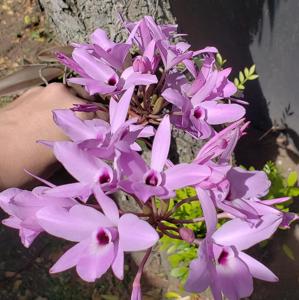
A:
(112, 81)
(198, 113)
(222, 259)
(152, 178)
(104, 177)
(103, 237)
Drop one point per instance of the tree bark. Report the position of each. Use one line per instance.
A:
(74, 20)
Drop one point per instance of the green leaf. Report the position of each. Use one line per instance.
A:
(219, 59)
(293, 192)
(252, 70)
(246, 71)
(241, 87)
(241, 77)
(292, 178)
(253, 77)
(288, 252)
(178, 272)
(171, 249)
(236, 81)
(172, 295)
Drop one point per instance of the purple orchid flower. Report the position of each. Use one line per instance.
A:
(102, 138)
(223, 266)
(101, 238)
(91, 172)
(145, 181)
(102, 78)
(22, 207)
(111, 53)
(198, 119)
(146, 30)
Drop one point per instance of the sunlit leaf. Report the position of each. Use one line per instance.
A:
(292, 178)
(288, 252)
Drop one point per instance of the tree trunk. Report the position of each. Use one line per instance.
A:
(74, 20)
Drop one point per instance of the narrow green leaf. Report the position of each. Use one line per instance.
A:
(241, 77)
(236, 82)
(252, 77)
(172, 295)
(252, 70)
(288, 252)
(246, 71)
(219, 59)
(241, 87)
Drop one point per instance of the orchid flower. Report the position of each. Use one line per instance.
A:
(223, 266)
(22, 206)
(101, 238)
(100, 137)
(198, 104)
(145, 181)
(91, 172)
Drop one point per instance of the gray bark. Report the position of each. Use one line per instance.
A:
(73, 20)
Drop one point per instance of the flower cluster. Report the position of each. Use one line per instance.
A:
(148, 84)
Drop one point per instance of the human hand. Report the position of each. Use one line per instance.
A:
(23, 122)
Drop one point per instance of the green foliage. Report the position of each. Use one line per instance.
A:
(179, 252)
(280, 186)
(288, 252)
(220, 61)
(246, 75)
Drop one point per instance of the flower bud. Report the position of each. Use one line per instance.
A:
(187, 234)
(142, 64)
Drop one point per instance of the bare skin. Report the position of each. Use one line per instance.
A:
(22, 123)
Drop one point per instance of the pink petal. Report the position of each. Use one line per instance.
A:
(223, 113)
(92, 66)
(135, 234)
(161, 145)
(175, 97)
(121, 111)
(108, 206)
(95, 263)
(243, 235)
(192, 174)
(71, 190)
(234, 279)
(71, 125)
(118, 264)
(206, 90)
(75, 225)
(209, 210)
(131, 165)
(78, 163)
(70, 258)
(199, 277)
(135, 79)
(99, 37)
(257, 269)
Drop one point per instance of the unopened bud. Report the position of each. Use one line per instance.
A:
(142, 64)
(187, 234)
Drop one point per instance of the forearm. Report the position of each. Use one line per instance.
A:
(23, 123)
